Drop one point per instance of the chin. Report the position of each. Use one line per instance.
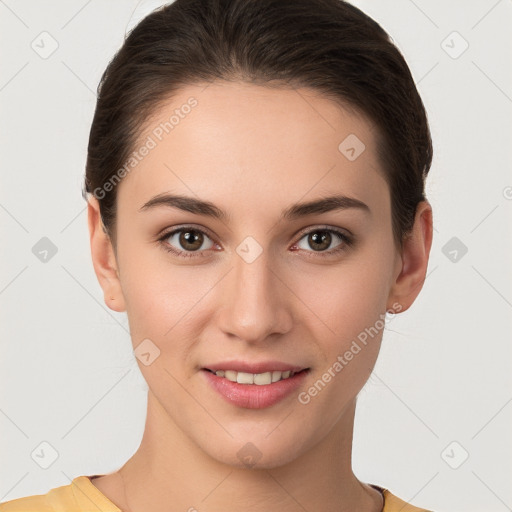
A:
(257, 451)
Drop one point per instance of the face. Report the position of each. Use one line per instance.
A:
(236, 281)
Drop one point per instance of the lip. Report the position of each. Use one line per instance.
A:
(254, 396)
(254, 367)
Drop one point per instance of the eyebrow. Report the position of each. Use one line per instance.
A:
(296, 211)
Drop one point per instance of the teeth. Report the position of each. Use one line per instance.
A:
(260, 379)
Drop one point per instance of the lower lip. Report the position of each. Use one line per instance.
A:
(253, 396)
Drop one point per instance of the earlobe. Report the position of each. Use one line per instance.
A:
(415, 256)
(103, 259)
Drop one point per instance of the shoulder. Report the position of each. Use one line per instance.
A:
(35, 503)
(393, 503)
(66, 498)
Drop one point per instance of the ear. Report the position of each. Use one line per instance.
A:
(412, 268)
(103, 258)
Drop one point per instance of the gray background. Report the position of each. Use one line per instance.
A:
(441, 390)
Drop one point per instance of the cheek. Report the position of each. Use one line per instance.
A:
(348, 325)
(347, 305)
(164, 300)
(152, 292)
(347, 298)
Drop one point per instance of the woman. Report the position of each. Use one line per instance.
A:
(255, 186)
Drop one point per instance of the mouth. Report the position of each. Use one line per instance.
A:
(260, 379)
(255, 390)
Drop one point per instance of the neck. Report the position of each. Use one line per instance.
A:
(169, 472)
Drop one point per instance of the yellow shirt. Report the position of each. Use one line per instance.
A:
(82, 496)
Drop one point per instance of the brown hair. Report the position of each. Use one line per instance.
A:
(327, 45)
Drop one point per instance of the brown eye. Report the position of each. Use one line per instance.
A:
(320, 240)
(187, 240)
(191, 240)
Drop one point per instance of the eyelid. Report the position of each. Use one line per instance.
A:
(182, 227)
(167, 232)
(319, 227)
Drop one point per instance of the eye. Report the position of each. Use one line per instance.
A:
(186, 241)
(321, 239)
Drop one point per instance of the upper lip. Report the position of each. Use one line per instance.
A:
(254, 367)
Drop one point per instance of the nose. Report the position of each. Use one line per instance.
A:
(255, 302)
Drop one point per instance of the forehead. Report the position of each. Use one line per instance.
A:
(214, 139)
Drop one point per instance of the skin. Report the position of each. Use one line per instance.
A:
(253, 151)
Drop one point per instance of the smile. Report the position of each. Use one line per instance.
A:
(255, 390)
(260, 379)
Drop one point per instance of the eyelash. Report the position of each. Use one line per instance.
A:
(347, 241)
